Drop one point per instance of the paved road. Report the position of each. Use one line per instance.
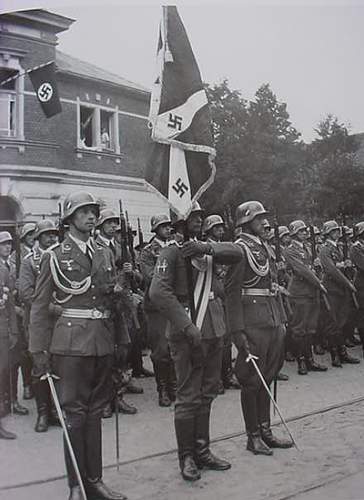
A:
(332, 446)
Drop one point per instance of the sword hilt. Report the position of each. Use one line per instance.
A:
(250, 357)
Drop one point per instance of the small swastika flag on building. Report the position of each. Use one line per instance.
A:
(181, 164)
(45, 87)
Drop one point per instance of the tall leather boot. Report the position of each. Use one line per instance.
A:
(4, 434)
(264, 423)
(312, 365)
(361, 335)
(26, 370)
(76, 432)
(172, 382)
(203, 455)
(301, 366)
(18, 409)
(95, 486)
(335, 358)
(185, 434)
(255, 443)
(41, 393)
(345, 357)
(163, 376)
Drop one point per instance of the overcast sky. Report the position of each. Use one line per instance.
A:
(311, 55)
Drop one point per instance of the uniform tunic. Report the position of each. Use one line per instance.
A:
(9, 333)
(304, 289)
(339, 292)
(197, 381)
(81, 348)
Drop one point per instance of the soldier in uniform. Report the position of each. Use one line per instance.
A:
(196, 350)
(256, 324)
(46, 233)
(214, 229)
(26, 238)
(157, 323)
(357, 258)
(79, 276)
(9, 335)
(107, 225)
(340, 290)
(304, 289)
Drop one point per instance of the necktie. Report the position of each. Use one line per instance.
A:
(89, 252)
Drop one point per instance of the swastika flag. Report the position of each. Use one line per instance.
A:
(181, 164)
(45, 87)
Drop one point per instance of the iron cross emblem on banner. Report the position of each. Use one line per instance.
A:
(162, 266)
(175, 121)
(180, 187)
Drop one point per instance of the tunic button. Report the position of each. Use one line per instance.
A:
(69, 324)
(94, 298)
(92, 286)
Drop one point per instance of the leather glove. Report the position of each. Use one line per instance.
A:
(41, 363)
(193, 334)
(241, 341)
(196, 248)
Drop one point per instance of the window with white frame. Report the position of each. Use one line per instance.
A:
(8, 104)
(98, 128)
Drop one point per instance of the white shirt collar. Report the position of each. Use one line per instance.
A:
(161, 242)
(82, 244)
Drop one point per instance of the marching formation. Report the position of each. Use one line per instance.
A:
(79, 303)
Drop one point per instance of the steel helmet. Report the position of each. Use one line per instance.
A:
(329, 226)
(158, 220)
(73, 201)
(295, 226)
(359, 228)
(45, 226)
(247, 211)
(196, 208)
(105, 215)
(28, 228)
(5, 236)
(212, 221)
(283, 231)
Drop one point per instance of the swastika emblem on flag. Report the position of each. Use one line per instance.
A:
(180, 187)
(175, 121)
(45, 92)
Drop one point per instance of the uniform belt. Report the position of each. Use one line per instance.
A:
(86, 313)
(264, 292)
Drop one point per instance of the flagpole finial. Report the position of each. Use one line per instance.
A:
(168, 57)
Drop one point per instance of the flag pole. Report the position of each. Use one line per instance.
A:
(18, 75)
(191, 299)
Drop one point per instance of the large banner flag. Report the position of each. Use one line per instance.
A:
(181, 165)
(44, 82)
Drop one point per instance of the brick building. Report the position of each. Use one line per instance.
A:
(99, 142)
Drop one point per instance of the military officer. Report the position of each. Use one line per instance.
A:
(357, 257)
(79, 276)
(157, 323)
(214, 229)
(46, 234)
(340, 292)
(255, 321)
(196, 350)
(304, 289)
(9, 334)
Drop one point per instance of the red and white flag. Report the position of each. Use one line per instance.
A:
(181, 165)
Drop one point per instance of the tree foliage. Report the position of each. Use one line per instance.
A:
(260, 155)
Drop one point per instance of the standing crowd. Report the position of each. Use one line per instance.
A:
(85, 303)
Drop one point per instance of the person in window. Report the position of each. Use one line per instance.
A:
(105, 138)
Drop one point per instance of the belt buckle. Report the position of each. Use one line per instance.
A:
(96, 314)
